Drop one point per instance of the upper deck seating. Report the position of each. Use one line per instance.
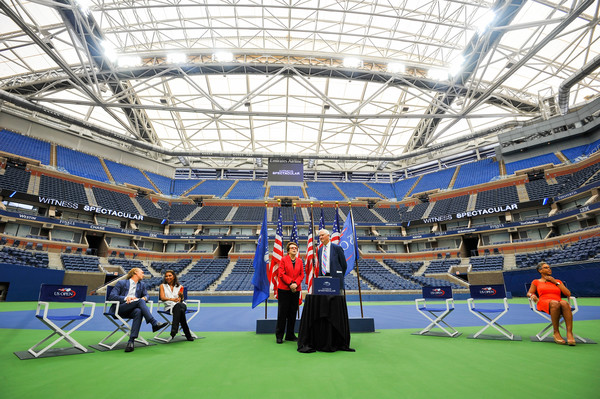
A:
(575, 152)
(577, 179)
(180, 186)
(248, 189)
(364, 215)
(114, 200)
(323, 191)
(384, 190)
(430, 181)
(15, 179)
(80, 164)
(402, 187)
(127, 174)
(163, 183)
(354, 190)
(62, 190)
(218, 188)
(286, 191)
(416, 212)
(512, 167)
(287, 214)
(540, 189)
(474, 173)
(25, 146)
(391, 214)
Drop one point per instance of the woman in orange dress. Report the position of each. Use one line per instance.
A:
(547, 291)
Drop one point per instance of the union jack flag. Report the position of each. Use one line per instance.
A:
(277, 255)
(335, 231)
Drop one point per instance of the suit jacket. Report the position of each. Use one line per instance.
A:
(289, 272)
(337, 262)
(120, 290)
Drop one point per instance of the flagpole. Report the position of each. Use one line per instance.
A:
(356, 262)
(314, 254)
(267, 266)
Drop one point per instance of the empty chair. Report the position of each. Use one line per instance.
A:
(68, 250)
(39, 246)
(58, 321)
(482, 310)
(435, 312)
(29, 246)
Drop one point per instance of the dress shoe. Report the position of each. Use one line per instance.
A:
(158, 326)
(279, 341)
(293, 339)
(129, 347)
(189, 338)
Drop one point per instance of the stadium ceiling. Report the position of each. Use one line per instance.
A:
(350, 85)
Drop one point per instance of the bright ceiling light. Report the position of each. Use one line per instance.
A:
(176, 58)
(84, 6)
(352, 62)
(438, 74)
(223, 56)
(456, 66)
(484, 21)
(109, 51)
(129, 60)
(396, 67)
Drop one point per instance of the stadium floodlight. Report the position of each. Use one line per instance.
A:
(311, 163)
(438, 74)
(483, 22)
(352, 62)
(129, 60)
(223, 56)
(176, 58)
(259, 162)
(396, 67)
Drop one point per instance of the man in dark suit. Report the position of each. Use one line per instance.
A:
(132, 296)
(332, 261)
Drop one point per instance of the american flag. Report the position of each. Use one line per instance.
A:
(321, 226)
(294, 239)
(277, 255)
(335, 231)
(309, 269)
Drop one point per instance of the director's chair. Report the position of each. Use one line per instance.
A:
(544, 334)
(167, 315)
(121, 325)
(435, 312)
(54, 320)
(495, 292)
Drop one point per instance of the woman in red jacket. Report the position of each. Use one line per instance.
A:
(291, 273)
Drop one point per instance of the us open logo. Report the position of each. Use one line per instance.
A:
(326, 284)
(438, 292)
(65, 293)
(487, 291)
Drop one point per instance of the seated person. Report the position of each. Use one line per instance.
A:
(171, 295)
(546, 292)
(132, 296)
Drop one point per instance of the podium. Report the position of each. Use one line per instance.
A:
(324, 325)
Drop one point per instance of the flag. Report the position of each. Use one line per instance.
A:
(321, 225)
(308, 270)
(277, 255)
(294, 236)
(348, 242)
(335, 231)
(261, 258)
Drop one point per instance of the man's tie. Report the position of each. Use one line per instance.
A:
(325, 260)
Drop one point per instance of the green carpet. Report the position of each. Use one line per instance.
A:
(386, 364)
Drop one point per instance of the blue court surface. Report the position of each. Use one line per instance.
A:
(241, 317)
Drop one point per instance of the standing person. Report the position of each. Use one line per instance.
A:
(291, 274)
(132, 296)
(171, 295)
(546, 291)
(332, 261)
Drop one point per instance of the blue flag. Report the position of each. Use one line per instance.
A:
(348, 242)
(261, 258)
(294, 237)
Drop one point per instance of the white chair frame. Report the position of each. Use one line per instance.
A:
(435, 317)
(169, 320)
(120, 324)
(546, 331)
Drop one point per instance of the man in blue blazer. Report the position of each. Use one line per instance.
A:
(132, 296)
(332, 261)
